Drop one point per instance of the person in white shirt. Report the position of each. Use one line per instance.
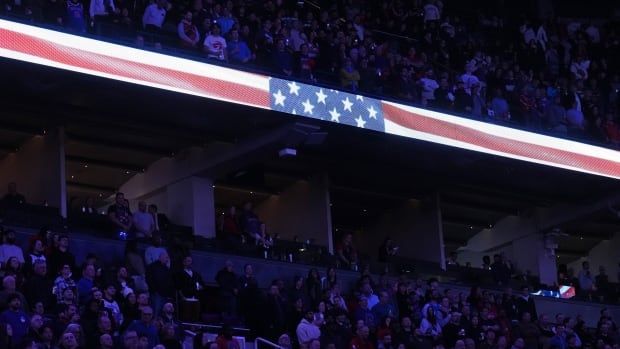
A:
(9, 249)
(579, 68)
(154, 16)
(431, 12)
(469, 79)
(307, 330)
(152, 253)
(143, 221)
(101, 8)
(215, 44)
(429, 85)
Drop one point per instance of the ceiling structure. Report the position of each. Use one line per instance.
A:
(115, 130)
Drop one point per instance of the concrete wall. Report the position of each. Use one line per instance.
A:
(36, 168)
(301, 210)
(414, 226)
(605, 254)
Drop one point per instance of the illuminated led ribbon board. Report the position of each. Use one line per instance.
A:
(74, 53)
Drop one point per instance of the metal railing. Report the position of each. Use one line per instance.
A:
(267, 342)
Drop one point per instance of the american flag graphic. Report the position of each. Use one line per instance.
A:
(64, 51)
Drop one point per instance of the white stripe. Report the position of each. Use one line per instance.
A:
(518, 135)
(396, 129)
(38, 60)
(141, 56)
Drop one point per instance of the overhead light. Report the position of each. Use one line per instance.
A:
(126, 172)
(287, 152)
(72, 176)
(85, 165)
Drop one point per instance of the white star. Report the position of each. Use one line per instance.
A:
(279, 98)
(359, 98)
(293, 88)
(335, 115)
(372, 113)
(347, 104)
(294, 112)
(360, 122)
(320, 96)
(307, 106)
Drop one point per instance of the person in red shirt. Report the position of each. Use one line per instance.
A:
(360, 341)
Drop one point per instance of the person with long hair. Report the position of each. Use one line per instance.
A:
(330, 279)
(313, 287)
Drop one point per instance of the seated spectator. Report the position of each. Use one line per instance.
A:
(119, 214)
(109, 303)
(225, 339)
(168, 338)
(586, 280)
(238, 50)
(13, 199)
(349, 76)
(361, 340)
(215, 45)
(38, 286)
(135, 265)
(305, 63)
(143, 222)
(187, 31)
(14, 268)
(154, 16)
(9, 249)
(384, 308)
(226, 21)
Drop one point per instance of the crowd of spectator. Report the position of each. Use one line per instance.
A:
(547, 74)
(47, 300)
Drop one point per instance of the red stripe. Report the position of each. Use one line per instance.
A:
(498, 143)
(211, 87)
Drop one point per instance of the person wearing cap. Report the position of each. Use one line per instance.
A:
(307, 330)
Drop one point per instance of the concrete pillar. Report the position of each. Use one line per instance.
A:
(38, 170)
(190, 202)
(529, 253)
(301, 210)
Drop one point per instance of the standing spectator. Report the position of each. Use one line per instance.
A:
(37, 288)
(161, 282)
(575, 121)
(145, 327)
(282, 59)
(190, 285)
(228, 289)
(13, 199)
(60, 255)
(347, 254)
(361, 340)
(118, 213)
(384, 308)
(463, 103)
(9, 249)
(429, 85)
(64, 281)
(135, 265)
(215, 44)
(15, 317)
(152, 253)
(101, 12)
(143, 222)
(238, 50)
(249, 297)
(527, 330)
(275, 313)
(586, 280)
(349, 76)
(602, 283)
(9, 289)
(74, 16)
(36, 253)
(307, 330)
(86, 284)
(154, 16)
(431, 11)
(109, 303)
(525, 304)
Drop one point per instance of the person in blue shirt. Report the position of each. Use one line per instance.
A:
(238, 50)
(74, 18)
(384, 308)
(15, 317)
(145, 327)
(86, 283)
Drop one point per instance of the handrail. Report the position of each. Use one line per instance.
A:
(193, 324)
(270, 343)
